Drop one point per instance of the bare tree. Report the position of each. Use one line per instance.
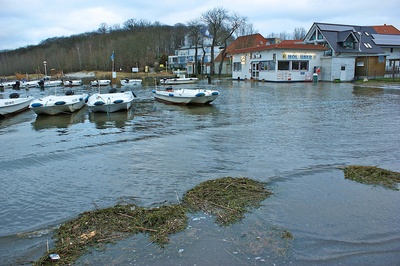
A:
(195, 27)
(299, 33)
(221, 25)
(103, 28)
(234, 22)
(215, 19)
(246, 29)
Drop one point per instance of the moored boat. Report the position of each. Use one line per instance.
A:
(110, 102)
(178, 80)
(8, 84)
(130, 82)
(184, 96)
(29, 83)
(14, 104)
(73, 82)
(100, 82)
(47, 82)
(56, 104)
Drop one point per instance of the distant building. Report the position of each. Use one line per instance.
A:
(351, 53)
(253, 40)
(184, 57)
(388, 38)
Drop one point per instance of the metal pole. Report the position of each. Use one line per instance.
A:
(45, 69)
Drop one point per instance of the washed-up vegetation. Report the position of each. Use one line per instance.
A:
(373, 176)
(227, 198)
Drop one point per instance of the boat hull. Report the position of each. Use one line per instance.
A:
(30, 84)
(13, 106)
(185, 96)
(130, 82)
(177, 81)
(101, 82)
(50, 83)
(53, 105)
(72, 83)
(110, 102)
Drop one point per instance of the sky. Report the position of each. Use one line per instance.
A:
(27, 22)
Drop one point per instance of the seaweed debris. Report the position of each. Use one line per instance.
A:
(373, 176)
(94, 228)
(228, 198)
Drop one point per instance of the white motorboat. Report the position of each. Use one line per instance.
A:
(184, 96)
(56, 104)
(14, 104)
(100, 82)
(130, 82)
(110, 102)
(8, 84)
(178, 80)
(47, 82)
(29, 83)
(73, 83)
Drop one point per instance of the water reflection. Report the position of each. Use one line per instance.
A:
(364, 91)
(58, 121)
(291, 136)
(187, 109)
(111, 120)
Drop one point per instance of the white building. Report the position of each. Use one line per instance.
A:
(351, 53)
(388, 38)
(184, 57)
(286, 61)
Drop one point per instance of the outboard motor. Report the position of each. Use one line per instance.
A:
(16, 85)
(41, 84)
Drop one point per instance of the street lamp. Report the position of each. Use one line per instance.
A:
(45, 69)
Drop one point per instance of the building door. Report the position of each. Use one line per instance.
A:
(343, 73)
(254, 70)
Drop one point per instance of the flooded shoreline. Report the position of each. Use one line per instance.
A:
(292, 136)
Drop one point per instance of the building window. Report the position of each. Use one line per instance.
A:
(237, 66)
(283, 65)
(300, 65)
(267, 65)
(348, 44)
(328, 52)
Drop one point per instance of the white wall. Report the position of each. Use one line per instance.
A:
(337, 73)
(313, 58)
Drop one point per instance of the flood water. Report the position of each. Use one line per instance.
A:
(295, 137)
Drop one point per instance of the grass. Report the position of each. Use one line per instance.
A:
(380, 80)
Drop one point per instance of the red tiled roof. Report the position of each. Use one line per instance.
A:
(285, 44)
(243, 42)
(386, 29)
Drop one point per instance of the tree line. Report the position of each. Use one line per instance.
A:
(137, 43)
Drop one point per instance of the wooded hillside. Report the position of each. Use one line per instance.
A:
(137, 44)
